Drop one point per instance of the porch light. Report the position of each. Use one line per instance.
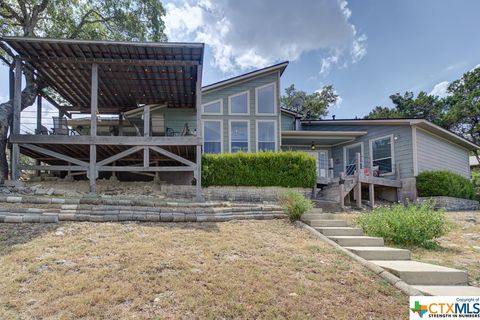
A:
(313, 147)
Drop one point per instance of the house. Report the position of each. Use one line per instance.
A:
(141, 108)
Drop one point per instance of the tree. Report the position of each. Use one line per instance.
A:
(463, 113)
(139, 20)
(380, 112)
(313, 106)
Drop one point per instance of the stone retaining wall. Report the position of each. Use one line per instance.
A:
(238, 194)
(451, 204)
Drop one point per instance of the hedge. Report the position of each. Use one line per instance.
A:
(444, 183)
(260, 169)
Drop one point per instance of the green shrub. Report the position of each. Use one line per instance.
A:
(260, 169)
(444, 183)
(294, 204)
(415, 224)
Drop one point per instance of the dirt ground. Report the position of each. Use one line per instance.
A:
(233, 270)
(459, 249)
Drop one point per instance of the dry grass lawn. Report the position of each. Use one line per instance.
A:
(246, 270)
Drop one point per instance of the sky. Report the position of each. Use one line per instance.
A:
(366, 49)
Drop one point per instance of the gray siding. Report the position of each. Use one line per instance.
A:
(434, 153)
(249, 85)
(403, 148)
(288, 122)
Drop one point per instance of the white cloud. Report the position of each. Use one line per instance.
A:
(440, 89)
(251, 34)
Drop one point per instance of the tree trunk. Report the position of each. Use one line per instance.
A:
(29, 95)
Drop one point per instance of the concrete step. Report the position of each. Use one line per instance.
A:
(380, 253)
(419, 273)
(317, 216)
(327, 223)
(449, 290)
(315, 211)
(340, 231)
(328, 205)
(357, 241)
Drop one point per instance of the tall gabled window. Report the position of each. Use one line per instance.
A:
(238, 103)
(239, 135)
(266, 135)
(265, 99)
(381, 153)
(212, 136)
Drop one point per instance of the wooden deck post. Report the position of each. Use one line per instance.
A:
(198, 105)
(358, 187)
(17, 108)
(342, 190)
(146, 133)
(92, 172)
(330, 168)
(39, 113)
(371, 194)
(120, 124)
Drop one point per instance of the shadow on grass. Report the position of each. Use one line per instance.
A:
(12, 234)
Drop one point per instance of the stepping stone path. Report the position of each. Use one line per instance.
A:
(427, 278)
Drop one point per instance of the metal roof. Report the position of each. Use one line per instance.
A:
(130, 73)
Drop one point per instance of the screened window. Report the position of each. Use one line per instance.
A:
(239, 103)
(266, 99)
(212, 136)
(238, 136)
(266, 136)
(213, 107)
(382, 154)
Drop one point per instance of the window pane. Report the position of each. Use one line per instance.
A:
(266, 131)
(381, 148)
(266, 146)
(213, 107)
(239, 104)
(211, 131)
(212, 147)
(239, 136)
(266, 99)
(385, 165)
(351, 154)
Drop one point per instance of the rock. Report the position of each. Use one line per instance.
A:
(196, 270)
(293, 294)
(477, 248)
(471, 219)
(60, 261)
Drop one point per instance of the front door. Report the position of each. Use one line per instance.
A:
(322, 162)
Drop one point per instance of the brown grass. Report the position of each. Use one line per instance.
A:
(251, 269)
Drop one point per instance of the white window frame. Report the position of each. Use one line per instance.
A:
(236, 95)
(275, 124)
(274, 100)
(345, 154)
(221, 132)
(230, 133)
(212, 102)
(392, 151)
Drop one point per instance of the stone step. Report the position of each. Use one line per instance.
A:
(419, 273)
(449, 290)
(380, 253)
(328, 205)
(315, 211)
(317, 216)
(340, 231)
(327, 223)
(357, 241)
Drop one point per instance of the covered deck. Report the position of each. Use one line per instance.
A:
(96, 78)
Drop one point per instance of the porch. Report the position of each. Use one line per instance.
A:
(113, 79)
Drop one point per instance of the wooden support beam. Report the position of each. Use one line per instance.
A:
(17, 108)
(142, 169)
(358, 193)
(173, 156)
(198, 106)
(371, 194)
(54, 154)
(39, 113)
(92, 172)
(101, 61)
(146, 133)
(107, 140)
(120, 124)
(54, 168)
(119, 156)
(342, 190)
(330, 168)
